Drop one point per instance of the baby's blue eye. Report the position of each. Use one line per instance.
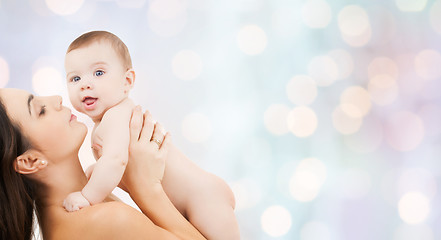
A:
(76, 79)
(99, 73)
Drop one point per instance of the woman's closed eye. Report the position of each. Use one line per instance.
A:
(42, 110)
(99, 73)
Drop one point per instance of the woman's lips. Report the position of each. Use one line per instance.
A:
(89, 103)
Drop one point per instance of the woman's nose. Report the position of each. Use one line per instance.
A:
(57, 102)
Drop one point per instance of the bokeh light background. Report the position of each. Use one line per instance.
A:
(324, 117)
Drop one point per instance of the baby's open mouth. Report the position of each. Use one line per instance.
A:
(89, 103)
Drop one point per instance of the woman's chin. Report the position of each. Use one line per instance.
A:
(84, 130)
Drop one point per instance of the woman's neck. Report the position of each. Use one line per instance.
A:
(60, 179)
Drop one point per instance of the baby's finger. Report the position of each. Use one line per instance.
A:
(135, 124)
(68, 207)
(147, 128)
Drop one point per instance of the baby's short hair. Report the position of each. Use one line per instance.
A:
(94, 36)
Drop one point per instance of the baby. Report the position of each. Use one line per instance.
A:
(99, 78)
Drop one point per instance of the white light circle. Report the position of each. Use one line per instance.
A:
(275, 119)
(302, 121)
(83, 16)
(368, 138)
(355, 101)
(251, 40)
(247, 193)
(382, 66)
(382, 81)
(313, 166)
(4, 73)
(344, 61)
(301, 90)
(427, 64)
(187, 65)
(324, 70)
(431, 116)
(418, 179)
(131, 3)
(387, 18)
(47, 81)
(276, 221)
(167, 9)
(315, 230)
(382, 89)
(308, 178)
(316, 13)
(66, 7)
(167, 18)
(344, 123)
(414, 207)
(196, 127)
(244, 5)
(304, 186)
(359, 40)
(412, 232)
(353, 21)
(435, 16)
(411, 5)
(404, 131)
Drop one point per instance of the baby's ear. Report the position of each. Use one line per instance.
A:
(30, 162)
(130, 78)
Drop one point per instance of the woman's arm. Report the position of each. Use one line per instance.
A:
(143, 178)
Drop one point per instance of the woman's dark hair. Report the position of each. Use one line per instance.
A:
(17, 192)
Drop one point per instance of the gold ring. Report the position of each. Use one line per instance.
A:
(157, 142)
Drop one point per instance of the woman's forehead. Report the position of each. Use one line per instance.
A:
(16, 102)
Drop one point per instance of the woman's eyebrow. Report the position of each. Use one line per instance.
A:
(31, 96)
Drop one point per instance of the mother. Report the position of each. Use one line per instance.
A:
(40, 140)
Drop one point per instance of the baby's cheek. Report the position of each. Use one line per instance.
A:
(78, 106)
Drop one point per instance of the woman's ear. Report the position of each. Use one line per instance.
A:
(130, 78)
(30, 162)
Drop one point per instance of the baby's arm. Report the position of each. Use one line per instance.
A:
(109, 169)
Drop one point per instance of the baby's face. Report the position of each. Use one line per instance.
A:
(96, 79)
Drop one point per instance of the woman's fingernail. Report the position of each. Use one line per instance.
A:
(138, 108)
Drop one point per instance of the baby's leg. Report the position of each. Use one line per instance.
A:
(211, 210)
(205, 199)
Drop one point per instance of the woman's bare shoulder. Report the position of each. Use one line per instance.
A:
(109, 220)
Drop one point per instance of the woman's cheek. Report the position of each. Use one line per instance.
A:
(54, 134)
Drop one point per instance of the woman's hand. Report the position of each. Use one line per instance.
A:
(148, 150)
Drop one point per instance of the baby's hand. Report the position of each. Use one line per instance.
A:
(75, 201)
